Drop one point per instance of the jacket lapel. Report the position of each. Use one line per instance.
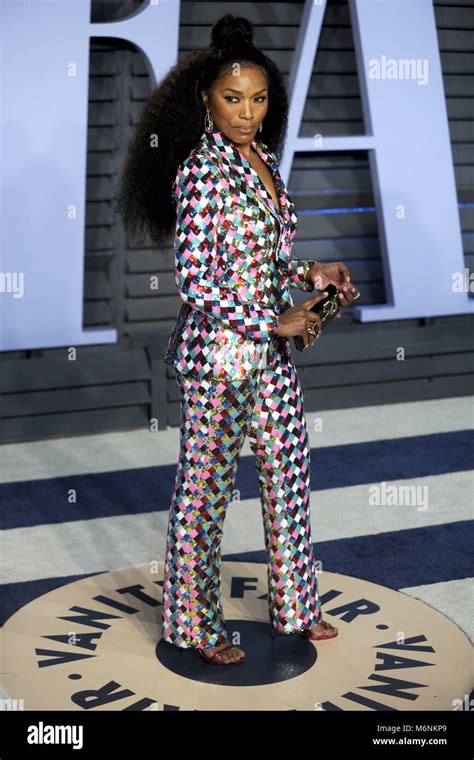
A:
(236, 161)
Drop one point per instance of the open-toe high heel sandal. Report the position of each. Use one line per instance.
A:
(212, 661)
(328, 632)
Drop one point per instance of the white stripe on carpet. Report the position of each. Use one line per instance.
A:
(108, 452)
(455, 599)
(111, 543)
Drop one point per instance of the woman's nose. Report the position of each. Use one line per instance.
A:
(246, 112)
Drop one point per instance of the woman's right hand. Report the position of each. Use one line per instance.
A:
(295, 321)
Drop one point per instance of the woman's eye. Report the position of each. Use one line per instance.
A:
(232, 97)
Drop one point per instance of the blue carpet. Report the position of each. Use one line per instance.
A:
(396, 559)
(149, 489)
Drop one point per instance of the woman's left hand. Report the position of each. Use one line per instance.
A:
(321, 275)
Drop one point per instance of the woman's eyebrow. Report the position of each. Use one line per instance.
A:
(239, 92)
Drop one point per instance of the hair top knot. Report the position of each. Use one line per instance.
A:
(231, 32)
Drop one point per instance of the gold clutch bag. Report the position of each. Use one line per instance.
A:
(327, 309)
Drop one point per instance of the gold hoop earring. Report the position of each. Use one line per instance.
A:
(208, 122)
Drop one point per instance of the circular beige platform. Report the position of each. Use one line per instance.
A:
(95, 644)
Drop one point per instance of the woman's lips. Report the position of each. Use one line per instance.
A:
(244, 129)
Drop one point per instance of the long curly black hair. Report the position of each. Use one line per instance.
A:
(172, 123)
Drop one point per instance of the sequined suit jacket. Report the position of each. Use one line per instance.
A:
(233, 263)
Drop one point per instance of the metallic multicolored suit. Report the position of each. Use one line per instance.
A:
(237, 379)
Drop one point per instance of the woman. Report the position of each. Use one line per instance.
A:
(230, 348)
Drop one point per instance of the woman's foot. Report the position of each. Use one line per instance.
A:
(230, 653)
(323, 626)
(323, 630)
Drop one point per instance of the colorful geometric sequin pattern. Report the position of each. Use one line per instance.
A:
(233, 267)
(216, 417)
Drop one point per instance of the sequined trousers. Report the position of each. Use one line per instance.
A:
(216, 417)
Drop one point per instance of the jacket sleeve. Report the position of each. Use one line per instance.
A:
(296, 272)
(199, 204)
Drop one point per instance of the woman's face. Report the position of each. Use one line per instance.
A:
(238, 103)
